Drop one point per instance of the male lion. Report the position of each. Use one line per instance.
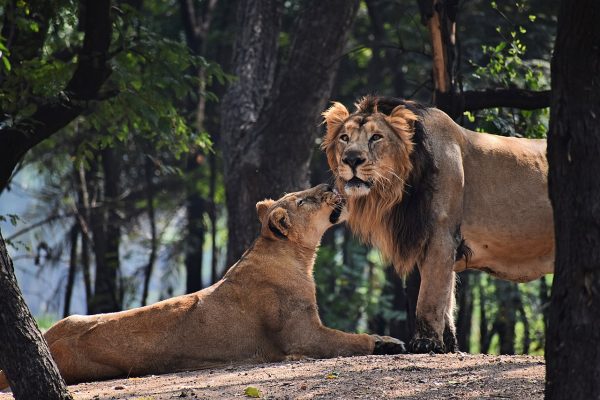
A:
(264, 309)
(426, 191)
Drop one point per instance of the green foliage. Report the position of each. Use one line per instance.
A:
(507, 67)
(44, 322)
(350, 286)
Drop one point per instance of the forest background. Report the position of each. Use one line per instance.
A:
(150, 191)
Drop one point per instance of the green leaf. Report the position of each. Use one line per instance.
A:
(6, 63)
(532, 18)
(470, 116)
(251, 391)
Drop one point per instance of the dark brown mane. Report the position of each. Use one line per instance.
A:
(408, 222)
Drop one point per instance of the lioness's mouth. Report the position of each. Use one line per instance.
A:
(339, 202)
(334, 217)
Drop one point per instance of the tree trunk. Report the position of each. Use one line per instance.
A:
(106, 229)
(573, 339)
(196, 228)
(25, 357)
(73, 237)
(507, 297)
(465, 311)
(83, 218)
(269, 123)
(149, 173)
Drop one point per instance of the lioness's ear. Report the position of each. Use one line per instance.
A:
(262, 207)
(403, 120)
(279, 223)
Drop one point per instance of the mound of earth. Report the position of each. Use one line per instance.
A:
(452, 376)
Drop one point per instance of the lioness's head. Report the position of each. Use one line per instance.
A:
(301, 217)
(369, 149)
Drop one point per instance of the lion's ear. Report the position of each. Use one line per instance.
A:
(403, 120)
(333, 118)
(262, 207)
(279, 223)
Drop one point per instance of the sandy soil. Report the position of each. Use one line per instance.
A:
(453, 376)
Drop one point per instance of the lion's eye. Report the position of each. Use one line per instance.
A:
(344, 138)
(376, 137)
(300, 202)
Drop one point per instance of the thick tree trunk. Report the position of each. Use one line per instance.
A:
(25, 357)
(196, 229)
(573, 339)
(270, 123)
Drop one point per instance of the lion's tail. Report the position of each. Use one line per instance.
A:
(3, 381)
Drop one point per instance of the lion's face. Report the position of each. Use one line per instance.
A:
(368, 149)
(302, 217)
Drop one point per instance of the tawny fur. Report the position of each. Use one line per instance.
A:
(487, 190)
(264, 309)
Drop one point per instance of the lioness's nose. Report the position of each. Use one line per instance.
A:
(353, 159)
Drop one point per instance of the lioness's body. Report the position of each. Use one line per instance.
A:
(264, 309)
(506, 213)
(430, 193)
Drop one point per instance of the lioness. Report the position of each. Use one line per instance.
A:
(425, 190)
(264, 309)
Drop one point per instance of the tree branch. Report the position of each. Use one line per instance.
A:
(474, 100)
(53, 114)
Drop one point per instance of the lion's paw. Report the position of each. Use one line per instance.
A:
(388, 345)
(426, 345)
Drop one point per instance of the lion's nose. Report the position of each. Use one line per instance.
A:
(353, 160)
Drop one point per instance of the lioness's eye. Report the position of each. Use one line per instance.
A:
(299, 203)
(344, 138)
(376, 137)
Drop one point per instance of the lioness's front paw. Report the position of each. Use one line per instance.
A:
(388, 345)
(426, 345)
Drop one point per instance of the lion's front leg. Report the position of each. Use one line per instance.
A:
(434, 328)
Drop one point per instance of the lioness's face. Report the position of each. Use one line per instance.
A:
(365, 150)
(303, 216)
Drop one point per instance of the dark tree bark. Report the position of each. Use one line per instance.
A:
(53, 114)
(507, 298)
(25, 358)
(149, 174)
(269, 123)
(83, 218)
(465, 311)
(573, 339)
(73, 238)
(196, 229)
(105, 223)
(197, 23)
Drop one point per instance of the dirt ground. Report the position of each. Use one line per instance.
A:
(453, 376)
